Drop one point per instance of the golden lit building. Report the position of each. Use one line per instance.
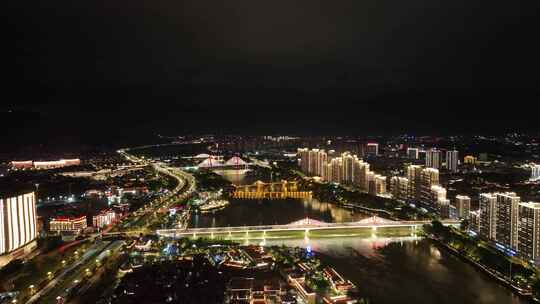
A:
(469, 159)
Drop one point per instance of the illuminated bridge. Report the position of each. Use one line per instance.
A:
(279, 190)
(306, 225)
(215, 163)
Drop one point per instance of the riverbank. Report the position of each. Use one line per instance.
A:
(511, 272)
(487, 271)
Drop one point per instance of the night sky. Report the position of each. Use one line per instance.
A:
(96, 69)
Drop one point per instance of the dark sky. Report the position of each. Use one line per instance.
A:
(124, 67)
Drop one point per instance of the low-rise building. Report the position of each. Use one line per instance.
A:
(68, 224)
(104, 218)
(469, 160)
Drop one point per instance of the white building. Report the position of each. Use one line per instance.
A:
(104, 218)
(463, 206)
(452, 158)
(529, 230)
(18, 225)
(535, 172)
(433, 158)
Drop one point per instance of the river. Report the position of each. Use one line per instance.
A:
(386, 270)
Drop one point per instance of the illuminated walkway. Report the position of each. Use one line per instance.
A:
(305, 225)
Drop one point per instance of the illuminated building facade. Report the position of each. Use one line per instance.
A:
(433, 158)
(428, 178)
(372, 149)
(414, 175)
(313, 162)
(529, 230)
(399, 188)
(413, 153)
(345, 169)
(349, 162)
(463, 206)
(475, 221)
(499, 216)
(18, 225)
(380, 184)
(469, 159)
(535, 172)
(21, 165)
(488, 216)
(68, 224)
(452, 158)
(104, 218)
(439, 201)
(507, 219)
(361, 175)
(42, 165)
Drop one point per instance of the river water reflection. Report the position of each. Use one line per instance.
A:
(273, 212)
(406, 270)
(386, 270)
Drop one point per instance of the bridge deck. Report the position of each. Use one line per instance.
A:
(323, 226)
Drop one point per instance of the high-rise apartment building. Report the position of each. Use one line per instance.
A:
(372, 149)
(360, 175)
(529, 231)
(399, 188)
(349, 162)
(429, 178)
(414, 175)
(507, 219)
(452, 158)
(312, 162)
(345, 169)
(439, 202)
(433, 158)
(336, 168)
(303, 157)
(380, 184)
(463, 206)
(413, 153)
(475, 221)
(499, 215)
(488, 215)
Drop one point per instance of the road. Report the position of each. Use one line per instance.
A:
(90, 253)
(186, 185)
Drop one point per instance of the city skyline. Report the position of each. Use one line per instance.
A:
(245, 152)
